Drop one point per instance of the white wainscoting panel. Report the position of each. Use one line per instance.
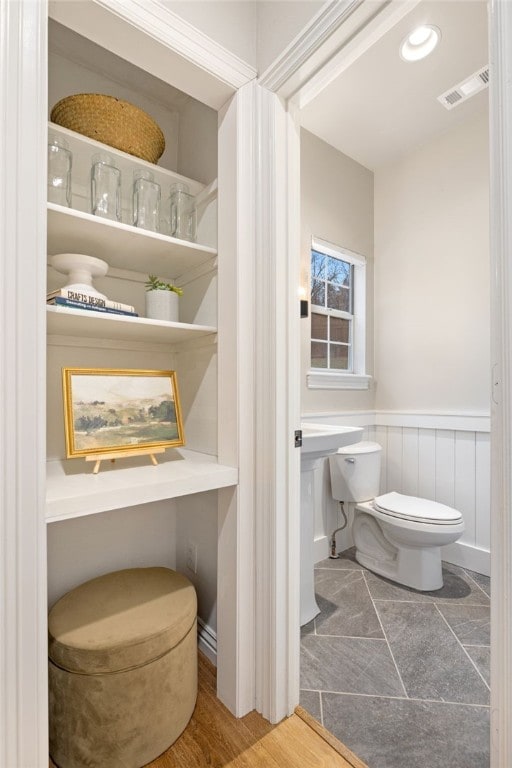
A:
(465, 482)
(410, 461)
(448, 465)
(427, 463)
(445, 467)
(483, 491)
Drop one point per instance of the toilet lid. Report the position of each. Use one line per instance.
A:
(416, 509)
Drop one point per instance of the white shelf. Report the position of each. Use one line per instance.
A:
(85, 323)
(83, 148)
(73, 491)
(121, 245)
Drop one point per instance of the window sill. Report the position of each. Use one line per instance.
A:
(330, 380)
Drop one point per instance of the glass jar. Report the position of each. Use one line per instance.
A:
(146, 201)
(105, 187)
(183, 213)
(60, 161)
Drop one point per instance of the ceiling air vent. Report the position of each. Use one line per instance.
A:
(464, 90)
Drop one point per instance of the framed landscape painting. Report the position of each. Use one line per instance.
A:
(110, 410)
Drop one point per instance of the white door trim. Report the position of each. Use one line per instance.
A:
(23, 608)
(236, 391)
(501, 437)
(277, 410)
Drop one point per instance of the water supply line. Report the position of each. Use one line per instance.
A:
(333, 555)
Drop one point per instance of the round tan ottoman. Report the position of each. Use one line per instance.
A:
(122, 668)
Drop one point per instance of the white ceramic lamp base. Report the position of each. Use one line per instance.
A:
(80, 269)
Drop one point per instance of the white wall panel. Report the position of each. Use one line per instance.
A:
(465, 483)
(394, 458)
(410, 446)
(483, 491)
(381, 437)
(445, 466)
(86, 547)
(427, 463)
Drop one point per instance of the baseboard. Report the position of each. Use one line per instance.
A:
(207, 641)
(321, 550)
(466, 556)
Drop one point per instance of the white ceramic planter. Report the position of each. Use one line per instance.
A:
(162, 305)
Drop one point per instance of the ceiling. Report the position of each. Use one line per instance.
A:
(381, 107)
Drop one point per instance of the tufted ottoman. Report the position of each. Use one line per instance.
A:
(122, 668)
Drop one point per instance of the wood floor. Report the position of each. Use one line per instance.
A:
(216, 739)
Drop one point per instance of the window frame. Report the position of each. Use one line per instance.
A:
(355, 377)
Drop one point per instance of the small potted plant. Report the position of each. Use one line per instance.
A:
(162, 299)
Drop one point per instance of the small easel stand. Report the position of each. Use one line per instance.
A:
(99, 457)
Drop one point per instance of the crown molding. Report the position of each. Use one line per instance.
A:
(302, 47)
(172, 30)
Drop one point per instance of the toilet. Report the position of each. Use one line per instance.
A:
(396, 536)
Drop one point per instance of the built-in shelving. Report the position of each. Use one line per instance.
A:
(65, 321)
(73, 491)
(121, 245)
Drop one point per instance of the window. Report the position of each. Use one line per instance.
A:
(338, 288)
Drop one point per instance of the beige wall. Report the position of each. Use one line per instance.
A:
(336, 205)
(432, 336)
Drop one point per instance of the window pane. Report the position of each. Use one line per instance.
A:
(318, 354)
(338, 271)
(340, 330)
(338, 297)
(317, 265)
(339, 356)
(319, 326)
(318, 293)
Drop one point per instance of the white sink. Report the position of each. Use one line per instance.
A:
(318, 441)
(321, 439)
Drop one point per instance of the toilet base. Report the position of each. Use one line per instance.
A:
(416, 567)
(403, 575)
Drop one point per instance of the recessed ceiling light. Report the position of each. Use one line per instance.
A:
(420, 42)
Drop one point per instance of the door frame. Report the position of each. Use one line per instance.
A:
(335, 37)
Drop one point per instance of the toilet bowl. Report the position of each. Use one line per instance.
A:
(396, 536)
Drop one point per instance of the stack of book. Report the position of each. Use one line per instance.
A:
(65, 297)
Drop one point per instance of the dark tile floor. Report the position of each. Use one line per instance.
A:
(401, 677)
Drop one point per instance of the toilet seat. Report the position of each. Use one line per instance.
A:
(416, 509)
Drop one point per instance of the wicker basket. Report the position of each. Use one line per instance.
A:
(112, 121)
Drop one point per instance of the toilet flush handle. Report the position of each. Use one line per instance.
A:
(350, 460)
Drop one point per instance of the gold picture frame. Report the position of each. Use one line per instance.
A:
(120, 411)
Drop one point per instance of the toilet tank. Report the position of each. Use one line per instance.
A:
(355, 472)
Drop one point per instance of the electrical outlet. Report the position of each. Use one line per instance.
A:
(191, 560)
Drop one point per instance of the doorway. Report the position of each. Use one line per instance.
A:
(435, 430)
